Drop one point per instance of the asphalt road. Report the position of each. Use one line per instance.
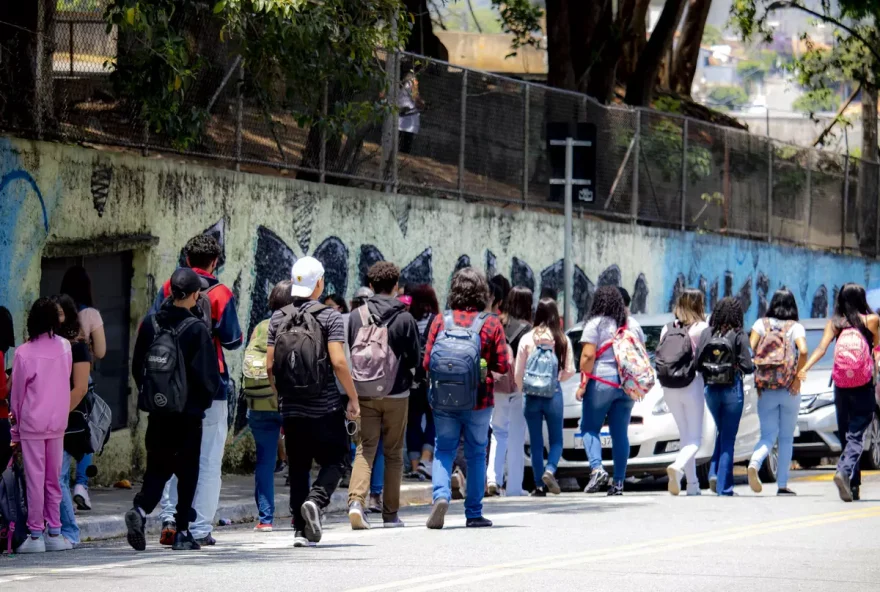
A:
(644, 540)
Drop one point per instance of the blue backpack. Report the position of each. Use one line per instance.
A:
(454, 368)
(542, 372)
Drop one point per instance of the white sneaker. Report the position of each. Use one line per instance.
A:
(695, 490)
(755, 479)
(81, 497)
(675, 476)
(57, 543)
(32, 545)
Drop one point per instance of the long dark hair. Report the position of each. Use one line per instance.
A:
(42, 319)
(547, 315)
(727, 316)
(519, 304)
(7, 330)
(78, 285)
(851, 303)
(339, 301)
(424, 302)
(607, 302)
(783, 306)
(70, 329)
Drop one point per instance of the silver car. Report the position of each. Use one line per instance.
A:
(653, 434)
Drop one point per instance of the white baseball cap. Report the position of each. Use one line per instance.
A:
(305, 275)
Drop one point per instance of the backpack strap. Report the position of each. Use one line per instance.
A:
(479, 321)
(767, 327)
(364, 314)
(448, 320)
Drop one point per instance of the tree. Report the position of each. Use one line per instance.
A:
(728, 98)
(692, 35)
(712, 36)
(640, 89)
(814, 101)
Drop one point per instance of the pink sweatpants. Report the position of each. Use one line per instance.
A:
(42, 465)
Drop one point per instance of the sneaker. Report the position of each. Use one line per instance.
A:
(414, 476)
(438, 514)
(395, 523)
(854, 489)
(263, 527)
(57, 543)
(459, 485)
(205, 541)
(787, 491)
(375, 506)
(135, 523)
(755, 479)
(169, 529)
(356, 516)
(713, 484)
(280, 465)
(615, 489)
(674, 486)
(843, 487)
(539, 492)
(312, 515)
(300, 540)
(694, 491)
(552, 484)
(598, 479)
(478, 522)
(184, 541)
(32, 545)
(81, 498)
(424, 469)
(492, 490)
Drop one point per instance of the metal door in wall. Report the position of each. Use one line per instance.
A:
(111, 289)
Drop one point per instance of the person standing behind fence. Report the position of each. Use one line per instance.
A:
(855, 328)
(676, 360)
(508, 422)
(78, 285)
(420, 439)
(410, 106)
(7, 340)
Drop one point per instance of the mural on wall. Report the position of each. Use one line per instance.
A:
(101, 178)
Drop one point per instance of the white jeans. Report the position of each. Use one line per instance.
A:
(508, 433)
(210, 462)
(687, 405)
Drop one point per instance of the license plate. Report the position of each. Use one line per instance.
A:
(605, 439)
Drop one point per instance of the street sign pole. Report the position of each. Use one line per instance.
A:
(568, 264)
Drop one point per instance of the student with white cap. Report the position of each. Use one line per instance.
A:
(305, 349)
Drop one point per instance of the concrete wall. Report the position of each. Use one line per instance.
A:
(61, 200)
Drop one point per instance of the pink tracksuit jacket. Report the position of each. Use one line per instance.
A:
(40, 396)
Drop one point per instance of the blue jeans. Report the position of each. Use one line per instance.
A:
(69, 527)
(449, 426)
(377, 475)
(726, 406)
(603, 400)
(778, 412)
(265, 427)
(81, 466)
(536, 410)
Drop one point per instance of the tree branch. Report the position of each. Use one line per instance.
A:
(821, 137)
(476, 22)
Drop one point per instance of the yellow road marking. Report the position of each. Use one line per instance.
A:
(473, 575)
(830, 476)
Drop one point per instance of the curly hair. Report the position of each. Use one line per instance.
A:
(727, 315)
(280, 295)
(70, 329)
(202, 250)
(469, 290)
(383, 276)
(42, 319)
(607, 302)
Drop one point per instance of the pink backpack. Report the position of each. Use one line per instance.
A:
(853, 364)
(373, 363)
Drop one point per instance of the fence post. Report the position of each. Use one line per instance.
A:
(462, 128)
(70, 43)
(769, 190)
(684, 165)
(845, 208)
(808, 201)
(322, 158)
(389, 125)
(634, 205)
(525, 164)
(239, 114)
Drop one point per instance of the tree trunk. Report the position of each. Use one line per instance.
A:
(422, 39)
(640, 89)
(632, 18)
(27, 42)
(688, 53)
(586, 19)
(868, 173)
(560, 72)
(604, 54)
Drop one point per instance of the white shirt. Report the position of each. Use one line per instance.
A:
(796, 332)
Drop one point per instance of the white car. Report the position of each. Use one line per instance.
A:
(653, 434)
(817, 436)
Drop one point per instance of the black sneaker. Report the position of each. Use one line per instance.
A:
(538, 493)
(184, 541)
(785, 491)
(598, 479)
(478, 522)
(438, 514)
(312, 515)
(843, 487)
(207, 541)
(616, 489)
(300, 540)
(855, 493)
(135, 524)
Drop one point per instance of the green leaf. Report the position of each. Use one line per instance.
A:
(129, 15)
(219, 7)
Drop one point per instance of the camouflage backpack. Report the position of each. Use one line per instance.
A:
(775, 358)
(255, 382)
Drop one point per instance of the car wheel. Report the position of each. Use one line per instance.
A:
(809, 463)
(871, 454)
(770, 468)
(703, 475)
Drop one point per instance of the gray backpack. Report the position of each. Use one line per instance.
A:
(542, 372)
(373, 363)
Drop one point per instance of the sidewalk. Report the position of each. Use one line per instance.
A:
(104, 520)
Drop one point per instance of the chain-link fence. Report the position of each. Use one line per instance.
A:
(456, 133)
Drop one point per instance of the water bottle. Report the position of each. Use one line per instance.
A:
(484, 369)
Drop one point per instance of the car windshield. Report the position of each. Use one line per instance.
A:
(652, 338)
(814, 337)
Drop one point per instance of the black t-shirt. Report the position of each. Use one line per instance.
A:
(80, 352)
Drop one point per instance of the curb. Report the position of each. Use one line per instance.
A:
(96, 528)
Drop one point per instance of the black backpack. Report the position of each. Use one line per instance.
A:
(164, 388)
(13, 508)
(204, 305)
(718, 360)
(301, 362)
(674, 358)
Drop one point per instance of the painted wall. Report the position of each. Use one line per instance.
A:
(55, 198)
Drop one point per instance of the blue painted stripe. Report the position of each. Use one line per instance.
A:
(25, 176)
